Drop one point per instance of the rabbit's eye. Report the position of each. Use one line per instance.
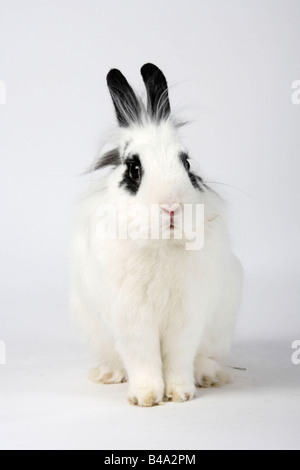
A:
(135, 172)
(185, 160)
(187, 165)
(195, 180)
(133, 175)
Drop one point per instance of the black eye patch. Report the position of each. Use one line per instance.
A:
(196, 180)
(132, 177)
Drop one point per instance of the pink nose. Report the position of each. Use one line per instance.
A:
(170, 209)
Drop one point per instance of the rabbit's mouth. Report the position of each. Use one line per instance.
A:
(172, 226)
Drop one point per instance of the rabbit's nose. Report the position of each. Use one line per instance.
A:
(170, 208)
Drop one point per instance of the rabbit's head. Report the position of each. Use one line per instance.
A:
(152, 169)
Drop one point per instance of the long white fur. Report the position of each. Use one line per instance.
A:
(151, 311)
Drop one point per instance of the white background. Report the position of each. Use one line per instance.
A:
(230, 67)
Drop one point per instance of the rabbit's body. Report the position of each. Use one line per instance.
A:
(152, 311)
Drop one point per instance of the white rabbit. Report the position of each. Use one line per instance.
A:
(153, 312)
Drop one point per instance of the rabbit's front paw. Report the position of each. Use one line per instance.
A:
(209, 373)
(149, 395)
(104, 375)
(180, 392)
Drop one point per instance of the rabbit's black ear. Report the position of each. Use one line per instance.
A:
(157, 91)
(127, 106)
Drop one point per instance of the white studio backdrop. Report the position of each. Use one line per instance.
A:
(230, 66)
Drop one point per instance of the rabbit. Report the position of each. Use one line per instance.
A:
(153, 312)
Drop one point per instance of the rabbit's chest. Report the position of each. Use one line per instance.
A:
(160, 281)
